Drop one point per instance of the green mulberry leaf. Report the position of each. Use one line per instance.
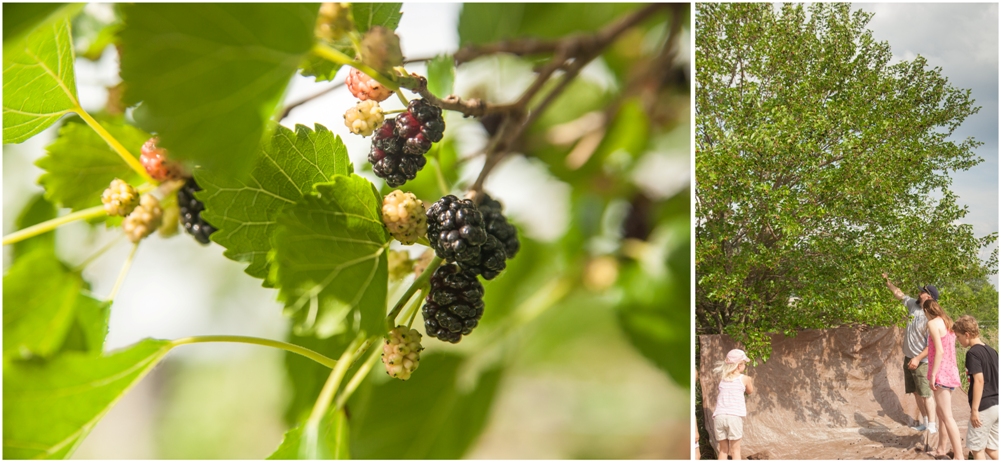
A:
(441, 75)
(330, 443)
(245, 210)
(449, 416)
(37, 211)
(38, 82)
(79, 165)
(211, 76)
(49, 407)
(330, 258)
(39, 298)
(90, 326)
(369, 15)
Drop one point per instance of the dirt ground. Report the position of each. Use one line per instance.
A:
(828, 394)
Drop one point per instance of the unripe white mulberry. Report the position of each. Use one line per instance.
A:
(144, 219)
(120, 198)
(401, 352)
(364, 117)
(404, 216)
(365, 87)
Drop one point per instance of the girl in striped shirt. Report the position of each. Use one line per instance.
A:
(728, 418)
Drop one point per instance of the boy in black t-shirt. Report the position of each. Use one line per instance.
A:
(982, 370)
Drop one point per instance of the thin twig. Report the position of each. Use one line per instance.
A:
(291, 106)
(572, 54)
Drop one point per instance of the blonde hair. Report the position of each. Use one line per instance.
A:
(727, 371)
(967, 325)
(933, 310)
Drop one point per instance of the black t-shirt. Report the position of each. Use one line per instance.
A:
(982, 359)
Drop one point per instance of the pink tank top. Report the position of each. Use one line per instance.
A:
(730, 400)
(948, 373)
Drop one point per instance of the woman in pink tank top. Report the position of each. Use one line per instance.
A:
(943, 375)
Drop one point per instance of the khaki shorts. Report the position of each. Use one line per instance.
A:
(916, 380)
(728, 427)
(987, 435)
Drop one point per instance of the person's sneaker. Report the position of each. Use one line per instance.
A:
(933, 427)
(919, 428)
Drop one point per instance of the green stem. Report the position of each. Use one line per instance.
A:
(123, 272)
(395, 111)
(360, 375)
(311, 429)
(417, 284)
(46, 226)
(52, 224)
(98, 254)
(337, 57)
(302, 351)
(403, 99)
(115, 145)
(412, 311)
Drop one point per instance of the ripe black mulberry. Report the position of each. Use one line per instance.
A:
(191, 212)
(454, 304)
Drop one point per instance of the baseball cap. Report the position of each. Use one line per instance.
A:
(931, 291)
(736, 356)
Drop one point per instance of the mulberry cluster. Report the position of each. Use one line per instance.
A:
(399, 144)
(144, 219)
(366, 88)
(454, 304)
(455, 230)
(191, 212)
(404, 216)
(401, 352)
(157, 164)
(120, 198)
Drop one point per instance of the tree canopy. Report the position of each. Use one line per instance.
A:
(820, 165)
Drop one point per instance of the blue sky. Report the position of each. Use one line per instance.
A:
(962, 39)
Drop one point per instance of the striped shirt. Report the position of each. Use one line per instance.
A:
(730, 400)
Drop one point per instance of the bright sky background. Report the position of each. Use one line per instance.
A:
(962, 39)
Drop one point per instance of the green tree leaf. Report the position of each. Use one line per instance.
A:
(656, 313)
(489, 22)
(211, 76)
(368, 15)
(90, 326)
(38, 82)
(245, 210)
(79, 165)
(39, 297)
(49, 407)
(37, 211)
(330, 258)
(331, 443)
(20, 18)
(817, 175)
(441, 75)
(448, 411)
